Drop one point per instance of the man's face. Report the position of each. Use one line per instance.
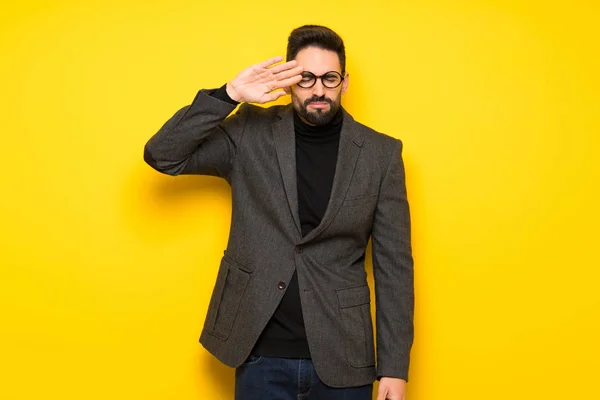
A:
(318, 105)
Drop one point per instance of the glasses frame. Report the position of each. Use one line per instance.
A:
(322, 80)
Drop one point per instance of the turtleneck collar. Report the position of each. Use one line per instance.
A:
(319, 133)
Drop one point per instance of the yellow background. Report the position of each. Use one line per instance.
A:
(107, 266)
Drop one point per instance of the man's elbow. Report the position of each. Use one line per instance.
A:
(163, 166)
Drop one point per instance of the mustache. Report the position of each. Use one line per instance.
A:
(316, 99)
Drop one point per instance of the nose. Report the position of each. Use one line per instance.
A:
(318, 89)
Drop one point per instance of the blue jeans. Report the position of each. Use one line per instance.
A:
(266, 378)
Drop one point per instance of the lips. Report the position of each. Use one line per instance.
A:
(318, 104)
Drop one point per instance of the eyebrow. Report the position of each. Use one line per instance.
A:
(325, 73)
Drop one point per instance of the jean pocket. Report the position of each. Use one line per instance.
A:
(252, 359)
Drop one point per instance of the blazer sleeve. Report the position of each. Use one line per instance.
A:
(393, 272)
(198, 139)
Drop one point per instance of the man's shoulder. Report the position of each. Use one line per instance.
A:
(374, 137)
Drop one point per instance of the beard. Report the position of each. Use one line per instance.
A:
(319, 116)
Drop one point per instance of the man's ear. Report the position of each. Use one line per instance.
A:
(345, 83)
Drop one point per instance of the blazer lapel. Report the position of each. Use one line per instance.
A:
(285, 145)
(349, 149)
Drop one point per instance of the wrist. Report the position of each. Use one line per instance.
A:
(232, 93)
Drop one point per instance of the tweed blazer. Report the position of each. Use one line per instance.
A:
(254, 150)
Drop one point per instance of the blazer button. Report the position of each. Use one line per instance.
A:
(298, 249)
(281, 285)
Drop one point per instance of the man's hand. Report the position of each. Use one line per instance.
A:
(391, 389)
(256, 84)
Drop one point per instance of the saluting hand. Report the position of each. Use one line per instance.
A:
(259, 83)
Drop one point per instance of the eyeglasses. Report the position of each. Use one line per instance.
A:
(330, 80)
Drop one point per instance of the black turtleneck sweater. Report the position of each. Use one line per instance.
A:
(316, 158)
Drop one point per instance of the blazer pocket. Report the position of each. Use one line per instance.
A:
(357, 201)
(358, 328)
(226, 298)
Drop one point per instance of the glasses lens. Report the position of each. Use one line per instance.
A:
(332, 80)
(308, 80)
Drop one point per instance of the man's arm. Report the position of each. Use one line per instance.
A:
(198, 139)
(393, 272)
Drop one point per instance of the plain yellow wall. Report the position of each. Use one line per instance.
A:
(107, 266)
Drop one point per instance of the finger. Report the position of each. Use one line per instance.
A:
(267, 75)
(273, 95)
(289, 73)
(277, 94)
(270, 61)
(282, 67)
(381, 393)
(287, 82)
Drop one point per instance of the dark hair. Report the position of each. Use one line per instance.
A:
(316, 36)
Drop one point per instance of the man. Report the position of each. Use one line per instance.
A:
(290, 308)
